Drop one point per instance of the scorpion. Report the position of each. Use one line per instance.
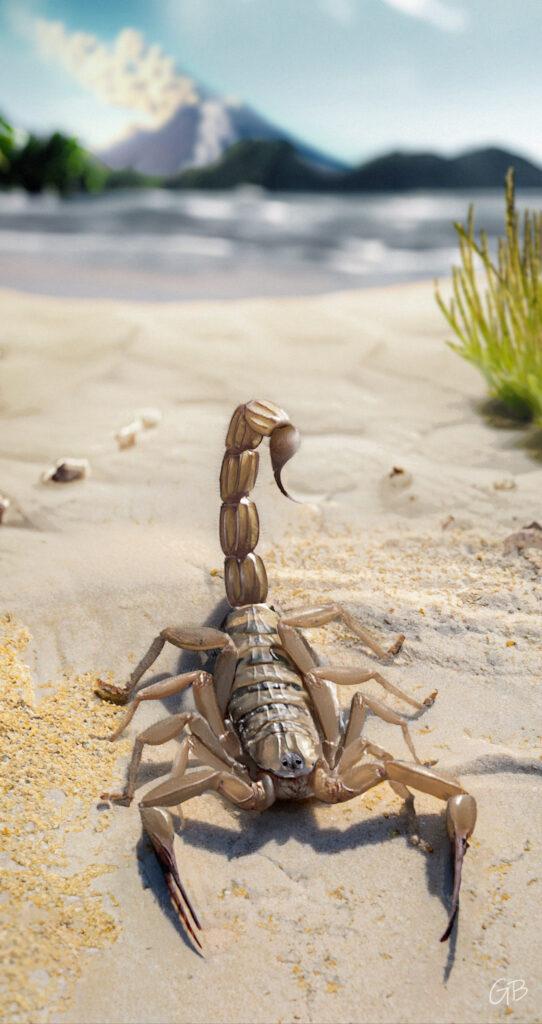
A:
(268, 725)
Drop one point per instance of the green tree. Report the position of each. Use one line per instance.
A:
(58, 163)
(7, 145)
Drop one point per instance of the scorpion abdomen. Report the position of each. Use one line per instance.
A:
(269, 707)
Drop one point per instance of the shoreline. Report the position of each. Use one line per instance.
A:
(61, 280)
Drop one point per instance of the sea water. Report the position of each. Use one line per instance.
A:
(166, 245)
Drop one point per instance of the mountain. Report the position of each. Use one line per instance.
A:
(481, 168)
(275, 166)
(197, 135)
(279, 166)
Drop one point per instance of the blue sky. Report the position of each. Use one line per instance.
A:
(353, 77)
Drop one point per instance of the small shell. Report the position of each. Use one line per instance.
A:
(399, 478)
(529, 537)
(4, 505)
(149, 417)
(126, 436)
(504, 485)
(66, 470)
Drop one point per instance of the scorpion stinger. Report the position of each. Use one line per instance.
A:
(283, 444)
(267, 724)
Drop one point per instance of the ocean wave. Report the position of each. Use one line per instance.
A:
(141, 248)
(366, 257)
(334, 241)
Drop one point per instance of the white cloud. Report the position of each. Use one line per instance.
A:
(343, 11)
(436, 12)
(130, 73)
(442, 15)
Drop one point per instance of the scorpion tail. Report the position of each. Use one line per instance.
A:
(244, 572)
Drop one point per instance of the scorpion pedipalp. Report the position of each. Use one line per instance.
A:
(460, 819)
(158, 825)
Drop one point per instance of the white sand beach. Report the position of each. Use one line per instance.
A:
(409, 487)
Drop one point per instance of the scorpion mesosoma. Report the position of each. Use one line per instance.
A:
(267, 725)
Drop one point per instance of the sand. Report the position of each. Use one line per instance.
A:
(411, 484)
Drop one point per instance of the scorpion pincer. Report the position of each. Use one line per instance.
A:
(267, 725)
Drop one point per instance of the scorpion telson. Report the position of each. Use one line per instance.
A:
(267, 725)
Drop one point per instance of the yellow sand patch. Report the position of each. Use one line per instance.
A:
(51, 771)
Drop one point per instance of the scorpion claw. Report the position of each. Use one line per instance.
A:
(159, 828)
(461, 818)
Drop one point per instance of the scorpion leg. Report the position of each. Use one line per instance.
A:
(379, 709)
(165, 688)
(460, 817)
(163, 731)
(323, 695)
(326, 705)
(158, 824)
(224, 673)
(252, 796)
(295, 646)
(460, 810)
(206, 701)
(354, 746)
(321, 615)
(352, 754)
(188, 638)
(317, 680)
(121, 694)
(204, 697)
(344, 676)
(154, 735)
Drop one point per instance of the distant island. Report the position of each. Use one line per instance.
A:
(278, 167)
(60, 164)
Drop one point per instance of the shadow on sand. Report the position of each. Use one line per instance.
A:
(499, 416)
(284, 822)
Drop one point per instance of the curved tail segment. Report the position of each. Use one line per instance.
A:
(244, 572)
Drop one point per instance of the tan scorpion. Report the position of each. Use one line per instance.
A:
(268, 725)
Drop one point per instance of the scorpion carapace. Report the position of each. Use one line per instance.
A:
(268, 725)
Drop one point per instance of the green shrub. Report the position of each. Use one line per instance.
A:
(499, 321)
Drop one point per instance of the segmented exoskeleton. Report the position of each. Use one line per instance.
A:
(267, 725)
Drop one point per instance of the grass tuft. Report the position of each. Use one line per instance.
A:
(499, 322)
